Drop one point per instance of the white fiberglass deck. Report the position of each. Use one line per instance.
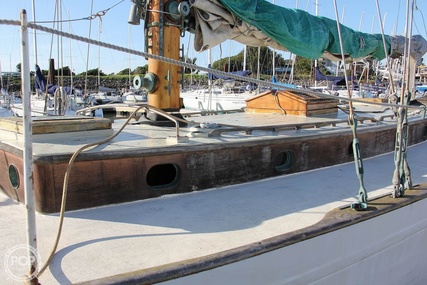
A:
(117, 239)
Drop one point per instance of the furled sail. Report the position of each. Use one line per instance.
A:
(261, 23)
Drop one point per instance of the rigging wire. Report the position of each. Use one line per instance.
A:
(92, 16)
(422, 17)
(53, 26)
(385, 48)
(397, 17)
(343, 57)
(88, 48)
(406, 51)
(358, 161)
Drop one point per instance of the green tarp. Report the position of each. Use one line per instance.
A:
(304, 34)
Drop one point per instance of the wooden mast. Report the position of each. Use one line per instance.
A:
(163, 39)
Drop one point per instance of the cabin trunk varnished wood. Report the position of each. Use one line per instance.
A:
(108, 177)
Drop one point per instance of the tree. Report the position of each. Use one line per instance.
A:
(140, 70)
(229, 64)
(252, 57)
(65, 71)
(235, 63)
(302, 67)
(93, 72)
(18, 67)
(124, 72)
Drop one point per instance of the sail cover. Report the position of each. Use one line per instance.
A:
(40, 83)
(261, 23)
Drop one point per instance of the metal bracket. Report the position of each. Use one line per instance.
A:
(363, 195)
(161, 31)
(182, 68)
(402, 174)
(168, 78)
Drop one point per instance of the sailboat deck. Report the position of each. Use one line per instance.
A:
(154, 239)
(141, 136)
(277, 189)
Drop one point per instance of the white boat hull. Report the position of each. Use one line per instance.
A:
(241, 235)
(384, 250)
(217, 101)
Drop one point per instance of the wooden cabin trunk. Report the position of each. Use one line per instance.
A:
(291, 103)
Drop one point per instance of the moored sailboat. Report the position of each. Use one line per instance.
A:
(255, 215)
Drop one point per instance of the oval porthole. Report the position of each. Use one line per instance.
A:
(13, 176)
(163, 175)
(284, 160)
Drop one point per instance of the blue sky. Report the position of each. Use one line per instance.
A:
(360, 14)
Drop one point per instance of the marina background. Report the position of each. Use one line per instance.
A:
(107, 20)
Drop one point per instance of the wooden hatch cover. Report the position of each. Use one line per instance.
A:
(49, 125)
(291, 103)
